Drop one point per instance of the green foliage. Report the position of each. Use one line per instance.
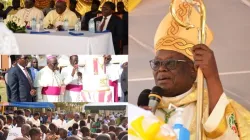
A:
(13, 27)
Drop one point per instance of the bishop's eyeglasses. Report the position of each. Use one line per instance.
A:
(169, 64)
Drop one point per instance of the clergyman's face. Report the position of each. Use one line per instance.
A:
(107, 59)
(60, 7)
(175, 77)
(53, 63)
(29, 3)
(74, 60)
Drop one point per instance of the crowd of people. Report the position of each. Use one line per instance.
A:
(23, 125)
(28, 83)
(54, 16)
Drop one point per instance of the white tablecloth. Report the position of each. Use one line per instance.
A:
(64, 43)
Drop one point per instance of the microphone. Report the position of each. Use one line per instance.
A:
(155, 98)
(143, 98)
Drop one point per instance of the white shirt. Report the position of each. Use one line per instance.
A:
(35, 122)
(59, 123)
(22, 68)
(106, 22)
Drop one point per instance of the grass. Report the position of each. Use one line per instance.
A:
(3, 93)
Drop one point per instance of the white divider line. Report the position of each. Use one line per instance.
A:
(145, 46)
(236, 95)
(221, 74)
(233, 73)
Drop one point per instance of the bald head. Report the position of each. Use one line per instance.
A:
(3, 118)
(1, 124)
(20, 120)
(123, 133)
(73, 138)
(25, 129)
(112, 135)
(103, 137)
(105, 128)
(118, 129)
(63, 133)
(60, 6)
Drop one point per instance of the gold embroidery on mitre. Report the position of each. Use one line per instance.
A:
(176, 37)
(176, 44)
(182, 12)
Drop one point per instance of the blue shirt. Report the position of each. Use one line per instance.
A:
(34, 72)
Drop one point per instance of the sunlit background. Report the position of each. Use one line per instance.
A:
(82, 7)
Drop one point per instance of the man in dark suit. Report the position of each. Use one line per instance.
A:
(13, 64)
(91, 14)
(20, 81)
(113, 24)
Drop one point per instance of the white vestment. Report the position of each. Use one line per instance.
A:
(71, 95)
(211, 123)
(114, 72)
(29, 14)
(47, 78)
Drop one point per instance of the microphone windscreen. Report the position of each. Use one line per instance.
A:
(143, 98)
(157, 90)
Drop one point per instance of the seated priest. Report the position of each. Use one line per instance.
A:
(56, 18)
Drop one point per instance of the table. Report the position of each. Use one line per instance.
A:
(64, 43)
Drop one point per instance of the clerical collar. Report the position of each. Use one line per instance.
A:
(29, 8)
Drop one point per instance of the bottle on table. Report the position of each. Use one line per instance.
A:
(66, 25)
(33, 24)
(182, 133)
(98, 23)
(78, 25)
(39, 25)
(92, 25)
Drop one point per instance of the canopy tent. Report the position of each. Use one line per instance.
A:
(29, 104)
